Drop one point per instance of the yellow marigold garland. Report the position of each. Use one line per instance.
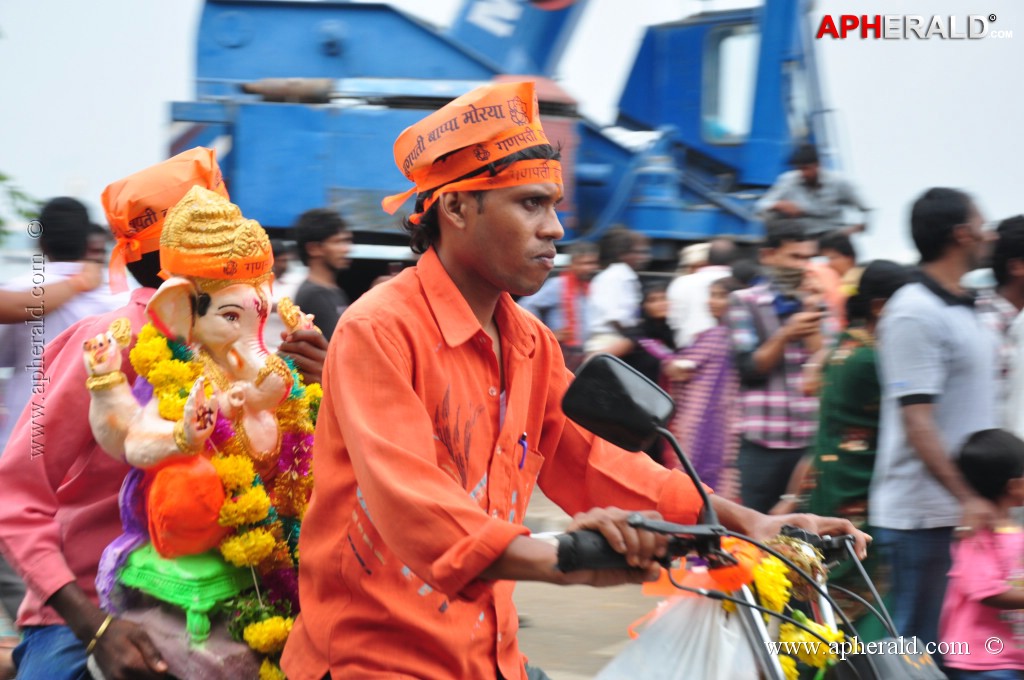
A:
(804, 642)
(248, 549)
(773, 585)
(788, 667)
(235, 472)
(269, 635)
(150, 348)
(774, 590)
(259, 541)
(249, 507)
(271, 671)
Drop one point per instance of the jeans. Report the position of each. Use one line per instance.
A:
(764, 473)
(532, 673)
(919, 560)
(50, 653)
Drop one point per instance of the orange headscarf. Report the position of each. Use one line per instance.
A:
(137, 205)
(480, 127)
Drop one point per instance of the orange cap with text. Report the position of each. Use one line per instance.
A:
(137, 205)
(480, 127)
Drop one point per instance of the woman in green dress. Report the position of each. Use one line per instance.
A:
(839, 470)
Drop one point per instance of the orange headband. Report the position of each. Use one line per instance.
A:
(137, 205)
(480, 127)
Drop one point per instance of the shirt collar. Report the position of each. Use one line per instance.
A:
(455, 319)
(950, 298)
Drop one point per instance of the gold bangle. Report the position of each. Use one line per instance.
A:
(99, 633)
(179, 437)
(98, 383)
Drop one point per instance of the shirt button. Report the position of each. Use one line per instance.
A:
(493, 391)
(494, 513)
(481, 340)
(499, 449)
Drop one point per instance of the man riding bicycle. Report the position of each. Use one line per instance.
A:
(441, 411)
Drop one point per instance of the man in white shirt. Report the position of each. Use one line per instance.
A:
(63, 242)
(613, 305)
(688, 312)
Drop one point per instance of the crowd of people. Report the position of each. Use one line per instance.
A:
(849, 388)
(846, 390)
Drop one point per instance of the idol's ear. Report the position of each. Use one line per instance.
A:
(172, 309)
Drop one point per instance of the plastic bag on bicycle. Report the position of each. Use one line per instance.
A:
(690, 637)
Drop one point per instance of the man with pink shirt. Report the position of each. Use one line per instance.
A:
(59, 509)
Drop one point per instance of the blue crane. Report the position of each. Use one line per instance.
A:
(304, 99)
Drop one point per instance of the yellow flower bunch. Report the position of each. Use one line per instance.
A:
(269, 635)
(788, 667)
(149, 349)
(173, 374)
(248, 549)
(773, 585)
(270, 671)
(816, 653)
(171, 378)
(236, 472)
(249, 507)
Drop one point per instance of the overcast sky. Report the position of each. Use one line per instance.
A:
(86, 87)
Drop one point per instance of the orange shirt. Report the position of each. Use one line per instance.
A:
(420, 485)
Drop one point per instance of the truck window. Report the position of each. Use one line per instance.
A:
(730, 76)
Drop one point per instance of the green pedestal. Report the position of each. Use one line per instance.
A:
(196, 583)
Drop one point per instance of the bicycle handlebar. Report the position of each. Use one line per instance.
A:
(588, 549)
(833, 548)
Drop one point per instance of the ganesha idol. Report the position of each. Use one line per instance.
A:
(217, 429)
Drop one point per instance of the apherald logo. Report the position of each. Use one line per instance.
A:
(907, 26)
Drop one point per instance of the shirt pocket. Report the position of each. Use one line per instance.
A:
(528, 468)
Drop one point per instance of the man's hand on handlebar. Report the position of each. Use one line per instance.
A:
(766, 527)
(640, 548)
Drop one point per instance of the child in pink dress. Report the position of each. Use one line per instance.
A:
(983, 613)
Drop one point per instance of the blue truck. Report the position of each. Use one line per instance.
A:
(303, 101)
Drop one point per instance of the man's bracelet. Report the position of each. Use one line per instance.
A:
(99, 633)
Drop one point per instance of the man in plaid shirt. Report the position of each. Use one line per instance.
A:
(776, 328)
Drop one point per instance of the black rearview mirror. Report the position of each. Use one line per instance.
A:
(618, 403)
